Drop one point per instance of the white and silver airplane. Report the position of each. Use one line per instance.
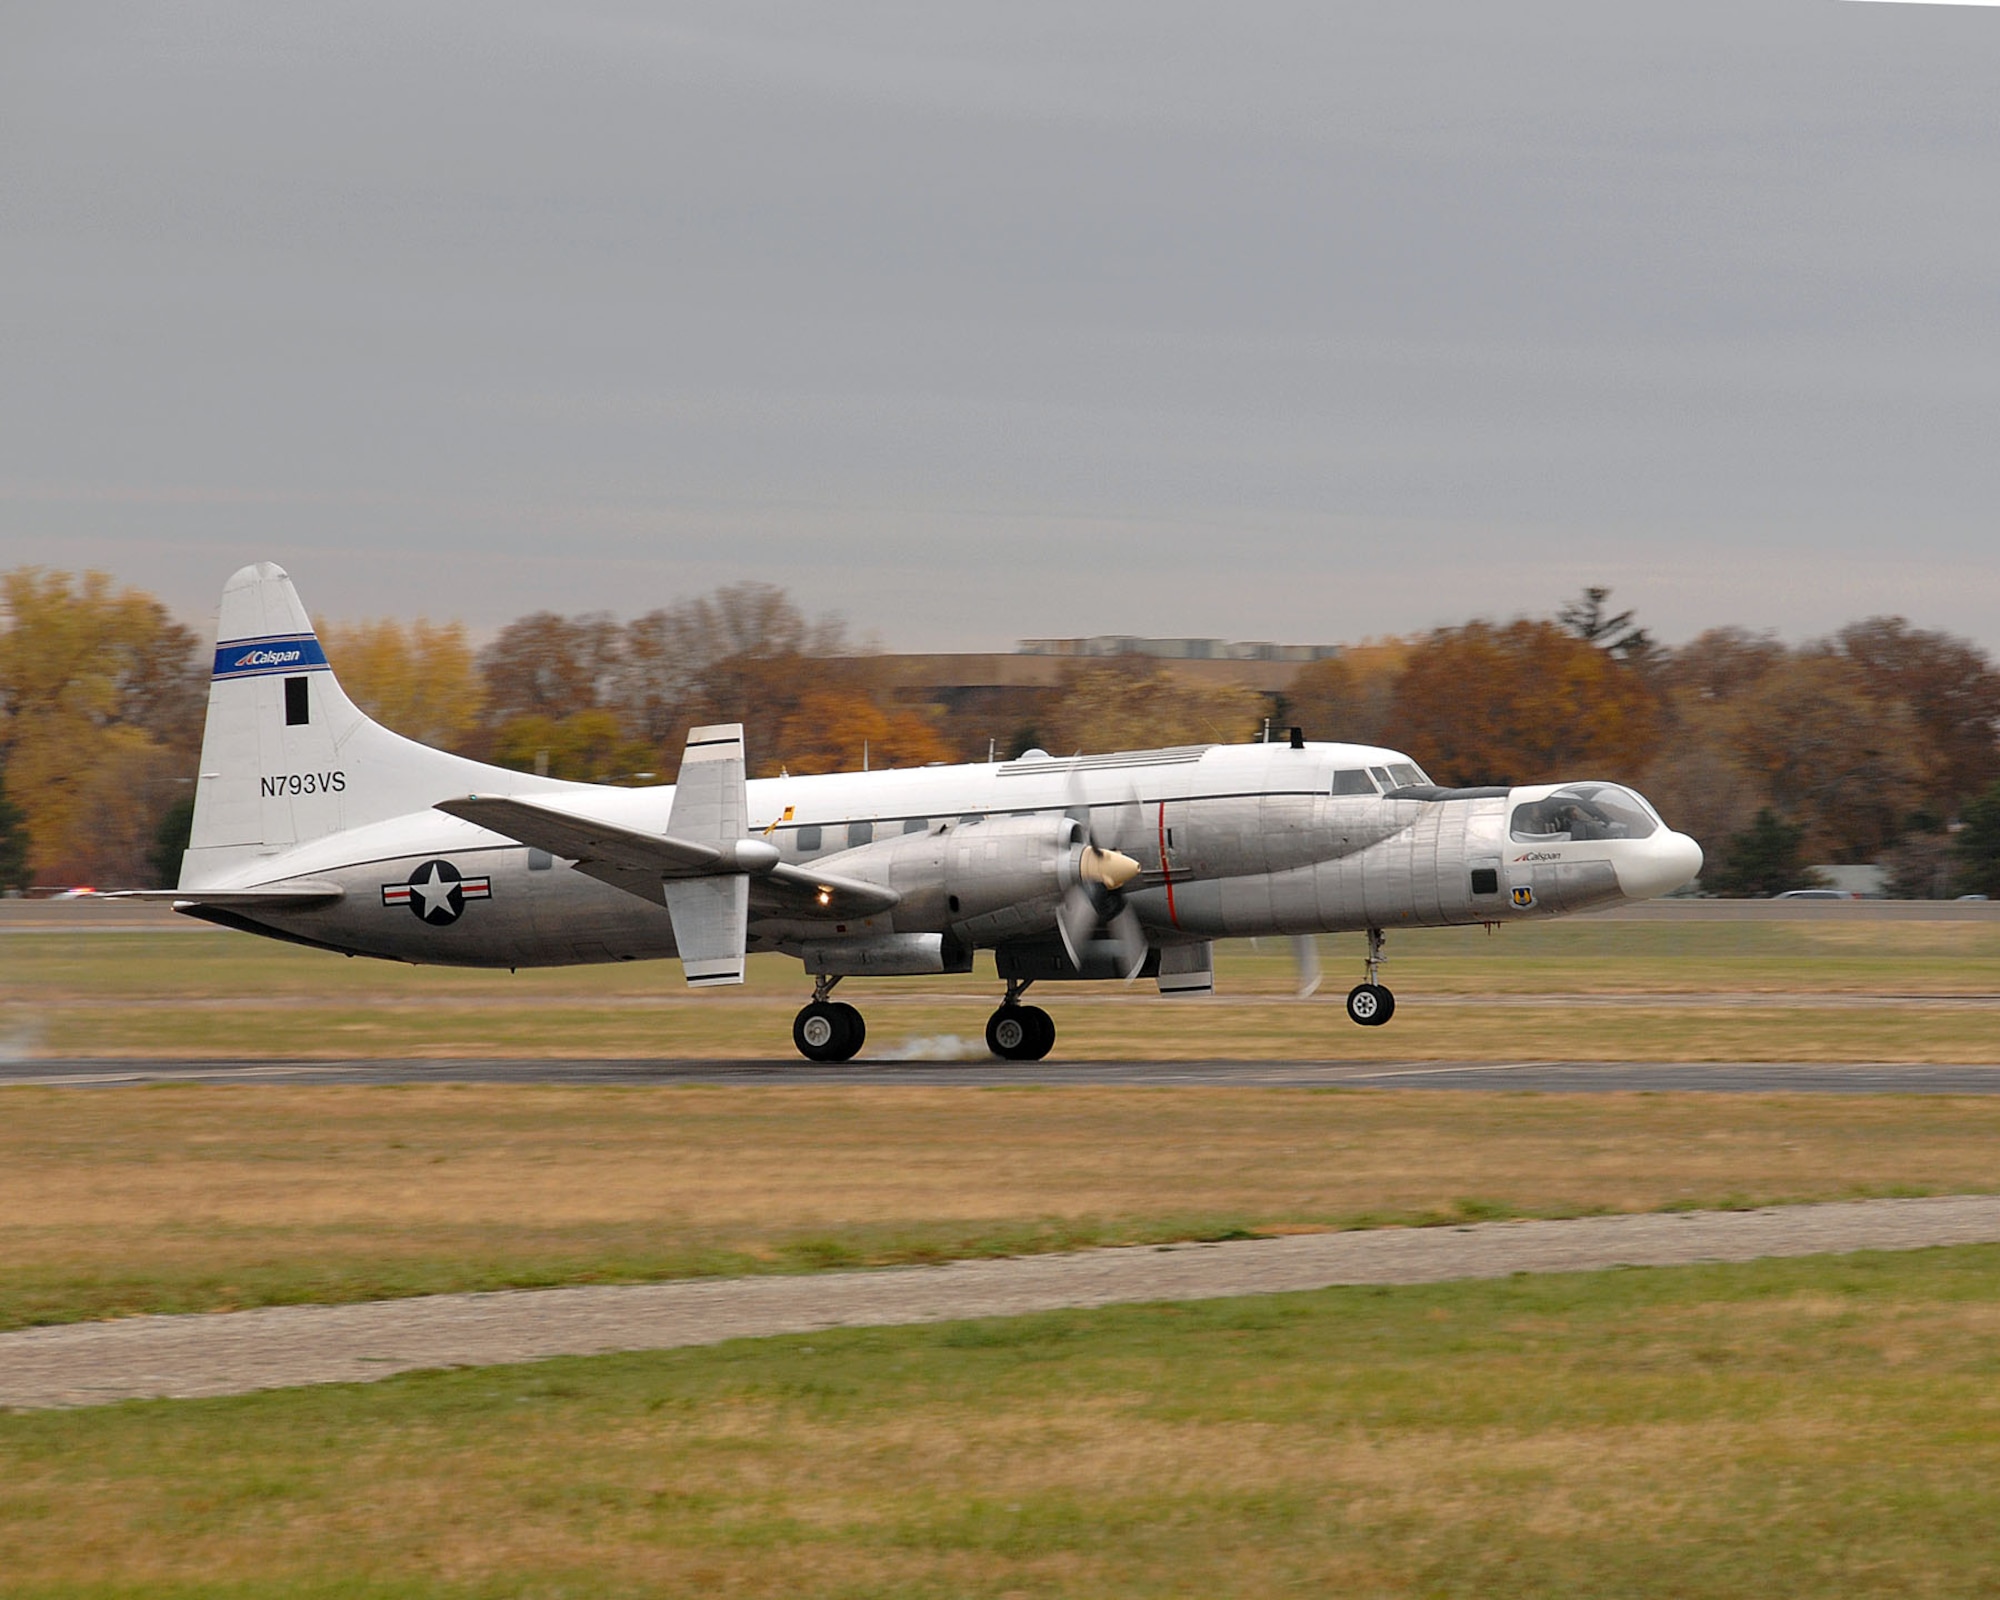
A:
(316, 825)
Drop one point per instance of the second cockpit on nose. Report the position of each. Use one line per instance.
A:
(1584, 812)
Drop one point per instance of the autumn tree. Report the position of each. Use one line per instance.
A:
(1828, 753)
(1137, 702)
(1698, 778)
(836, 728)
(1952, 694)
(419, 678)
(743, 654)
(1516, 703)
(547, 665)
(587, 746)
(1346, 697)
(101, 694)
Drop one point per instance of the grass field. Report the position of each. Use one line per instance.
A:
(1692, 992)
(193, 1198)
(1818, 1427)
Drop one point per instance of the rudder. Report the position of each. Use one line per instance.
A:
(286, 757)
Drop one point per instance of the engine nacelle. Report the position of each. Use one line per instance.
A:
(997, 879)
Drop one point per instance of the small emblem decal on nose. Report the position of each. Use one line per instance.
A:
(436, 893)
(1524, 896)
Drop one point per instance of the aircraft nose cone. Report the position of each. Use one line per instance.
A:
(1668, 861)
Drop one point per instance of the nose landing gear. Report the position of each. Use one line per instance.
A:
(828, 1030)
(1368, 1003)
(1020, 1033)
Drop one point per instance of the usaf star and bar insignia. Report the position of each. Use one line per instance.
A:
(437, 893)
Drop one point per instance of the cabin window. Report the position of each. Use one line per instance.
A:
(1584, 812)
(808, 839)
(860, 833)
(298, 712)
(1353, 781)
(915, 824)
(540, 860)
(973, 816)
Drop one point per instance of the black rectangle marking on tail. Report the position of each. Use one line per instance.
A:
(298, 709)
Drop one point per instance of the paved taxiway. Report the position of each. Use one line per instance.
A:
(979, 1071)
(281, 1346)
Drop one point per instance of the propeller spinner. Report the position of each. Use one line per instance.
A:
(1093, 901)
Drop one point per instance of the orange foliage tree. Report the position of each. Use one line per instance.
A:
(101, 693)
(1521, 702)
(419, 678)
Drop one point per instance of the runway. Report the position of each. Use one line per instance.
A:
(282, 1346)
(980, 1071)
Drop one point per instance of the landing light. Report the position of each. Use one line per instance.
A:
(826, 897)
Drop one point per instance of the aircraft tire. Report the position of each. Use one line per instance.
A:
(820, 1032)
(854, 1031)
(1042, 1036)
(1370, 1004)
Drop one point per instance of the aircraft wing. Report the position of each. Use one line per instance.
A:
(269, 897)
(639, 863)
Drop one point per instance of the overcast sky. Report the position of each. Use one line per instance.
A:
(1304, 322)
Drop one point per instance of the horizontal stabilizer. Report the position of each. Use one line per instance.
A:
(638, 862)
(585, 839)
(270, 897)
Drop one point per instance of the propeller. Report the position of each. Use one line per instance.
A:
(1093, 901)
(1305, 951)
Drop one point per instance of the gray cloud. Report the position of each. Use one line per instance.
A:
(1284, 321)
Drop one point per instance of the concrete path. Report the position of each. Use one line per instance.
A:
(232, 1353)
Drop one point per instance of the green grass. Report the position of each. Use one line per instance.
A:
(1824, 1426)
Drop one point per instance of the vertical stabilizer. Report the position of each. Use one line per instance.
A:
(286, 757)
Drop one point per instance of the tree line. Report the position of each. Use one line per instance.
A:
(1881, 743)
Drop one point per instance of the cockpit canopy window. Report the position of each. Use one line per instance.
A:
(1406, 774)
(1353, 782)
(1584, 811)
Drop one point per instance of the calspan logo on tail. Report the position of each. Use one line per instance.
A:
(1114, 866)
(243, 658)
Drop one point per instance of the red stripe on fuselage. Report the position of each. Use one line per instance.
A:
(1166, 871)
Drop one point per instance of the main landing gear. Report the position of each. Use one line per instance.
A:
(1020, 1033)
(828, 1030)
(1368, 1003)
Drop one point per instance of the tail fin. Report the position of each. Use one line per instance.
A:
(286, 757)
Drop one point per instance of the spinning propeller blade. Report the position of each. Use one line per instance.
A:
(1305, 951)
(1094, 901)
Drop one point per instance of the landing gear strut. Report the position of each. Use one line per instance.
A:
(828, 1030)
(1368, 1003)
(1020, 1033)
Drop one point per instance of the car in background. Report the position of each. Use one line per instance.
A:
(1817, 894)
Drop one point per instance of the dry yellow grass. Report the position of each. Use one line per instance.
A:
(200, 1197)
(1908, 991)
